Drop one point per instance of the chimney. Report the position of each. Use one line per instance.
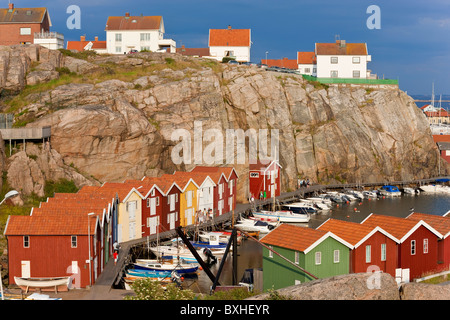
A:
(229, 27)
(96, 38)
(11, 6)
(127, 14)
(82, 38)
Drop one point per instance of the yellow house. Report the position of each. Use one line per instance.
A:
(188, 197)
(129, 211)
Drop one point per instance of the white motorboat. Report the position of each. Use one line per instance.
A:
(319, 203)
(358, 194)
(408, 190)
(370, 194)
(389, 191)
(300, 207)
(252, 225)
(285, 216)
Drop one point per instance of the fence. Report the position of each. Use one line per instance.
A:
(351, 80)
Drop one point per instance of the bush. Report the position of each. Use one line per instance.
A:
(148, 289)
(60, 186)
(227, 59)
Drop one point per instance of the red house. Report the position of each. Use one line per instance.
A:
(83, 44)
(55, 245)
(441, 224)
(18, 25)
(159, 214)
(418, 247)
(265, 178)
(373, 248)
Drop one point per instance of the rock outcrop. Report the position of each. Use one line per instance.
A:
(117, 125)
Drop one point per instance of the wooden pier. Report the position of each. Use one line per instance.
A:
(111, 274)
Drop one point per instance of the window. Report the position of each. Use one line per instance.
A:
(118, 37)
(73, 242)
(356, 60)
(425, 245)
(356, 74)
(26, 241)
(336, 256)
(368, 254)
(318, 258)
(25, 31)
(413, 247)
(145, 48)
(145, 36)
(314, 70)
(307, 70)
(334, 60)
(297, 257)
(383, 252)
(270, 252)
(333, 74)
(118, 49)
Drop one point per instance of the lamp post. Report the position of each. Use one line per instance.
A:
(10, 194)
(89, 245)
(266, 56)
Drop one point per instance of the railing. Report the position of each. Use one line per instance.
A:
(48, 35)
(351, 80)
(25, 133)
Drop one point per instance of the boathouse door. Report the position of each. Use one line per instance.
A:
(25, 268)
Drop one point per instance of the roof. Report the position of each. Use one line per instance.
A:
(64, 224)
(201, 52)
(354, 49)
(306, 58)
(80, 45)
(216, 172)
(352, 232)
(438, 113)
(262, 166)
(229, 37)
(299, 238)
(441, 138)
(23, 15)
(282, 63)
(134, 23)
(400, 228)
(440, 223)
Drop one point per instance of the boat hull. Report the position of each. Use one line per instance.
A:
(287, 218)
(43, 284)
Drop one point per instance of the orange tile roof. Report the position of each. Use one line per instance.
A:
(293, 237)
(400, 228)
(440, 223)
(133, 23)
(216, 172)
(79, 45)
(355, 49)
(229, 37)
(441, 138)
(349, 231)
(48, 225)
(306, 58)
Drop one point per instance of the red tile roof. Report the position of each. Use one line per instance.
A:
(80, 45)
(200, 52)
(441, 138)
(306, 58)
(229, 37)
(134, 23)
(440, 223)
(282, 63)
(354, 49)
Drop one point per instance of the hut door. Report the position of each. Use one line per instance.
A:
(25, 268)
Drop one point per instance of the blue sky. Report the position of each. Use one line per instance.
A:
(413, 44)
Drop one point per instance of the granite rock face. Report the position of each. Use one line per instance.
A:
(124, 127)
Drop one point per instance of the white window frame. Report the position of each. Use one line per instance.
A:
(118, 49)
(145, 37)
(413, 247)
(356, 74)
(336, 256)
(368, 253)
(334, 74)
(318, 258)
(270, 252)
(383, 252)
(118, 37)
(25, 31)
(356, 60)
(26, 241)
(73, 241)
(334, 60)
(297, 257)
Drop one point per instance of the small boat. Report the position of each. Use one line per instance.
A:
(390, 191)
(211, 241)
(148, 273)
(370, 194)
(357, 194)
(299, 208)
(285, 216)
(254, 225)
(43, 284)
(165, 266)
(319, 203)
(408, 190)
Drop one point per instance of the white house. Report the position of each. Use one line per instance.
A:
(50, 40)
(307, 63)
(126, 33)
(342, 60)
(234, 43)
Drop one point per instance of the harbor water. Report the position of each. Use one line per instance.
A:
(250, 251)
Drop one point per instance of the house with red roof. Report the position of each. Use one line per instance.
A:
(443, 143)
(193, 52)
(418, 244)
(83, 45)
(307, 63)
(374, 249)
(342, 60)
(442, 225)
(127, 33)
(232, 43)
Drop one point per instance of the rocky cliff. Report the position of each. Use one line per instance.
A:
(113, 117)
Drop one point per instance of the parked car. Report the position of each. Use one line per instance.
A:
(233, 62)
(133, 51)
(261, 65)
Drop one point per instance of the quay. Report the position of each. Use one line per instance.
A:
(111, 275)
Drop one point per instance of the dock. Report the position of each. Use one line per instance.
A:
(111, 274)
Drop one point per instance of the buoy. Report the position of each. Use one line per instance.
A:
(354, 209)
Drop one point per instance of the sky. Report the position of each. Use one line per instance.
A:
(411, 45)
